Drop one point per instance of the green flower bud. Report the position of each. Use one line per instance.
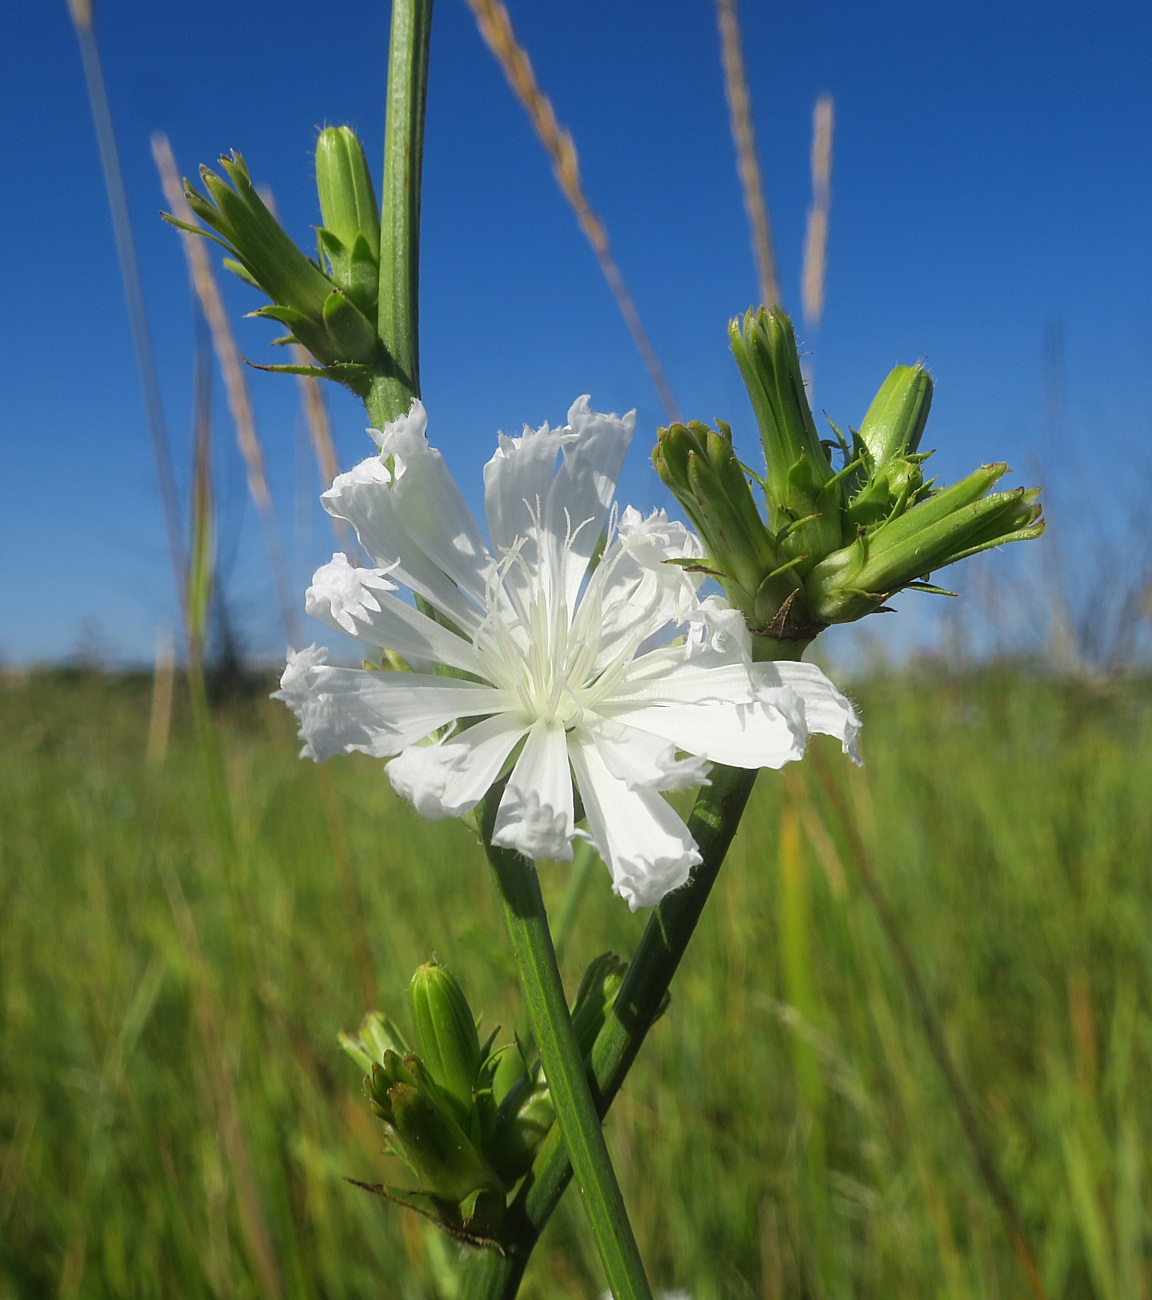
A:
(700, 467)
(347, 196)
(889, 477)
(334, 318)
(947, 526)
(350, 235)
(440, 1152)
(803, 495)
(256, 239)
(702, 471)
(457, 1185)
(894, 423)
(446, 1037)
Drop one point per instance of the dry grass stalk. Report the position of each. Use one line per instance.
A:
(316, 418)
(751, 181)
(816, 238)
(228, 356)
(323, 444)
(496, 28)
(81, 11)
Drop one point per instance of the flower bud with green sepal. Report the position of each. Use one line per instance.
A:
(873, 528)
(376, 1036)
(524, 1117)
(803, 495)
(457, 1186)
(700, 467)
(332, 316)
(438, 1108)
(888, 474)
(901, 552)
(446, 1037)
(350, 235)
(595, 997)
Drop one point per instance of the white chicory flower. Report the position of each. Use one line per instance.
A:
(566, 670)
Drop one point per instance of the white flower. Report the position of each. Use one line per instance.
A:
(573, 673)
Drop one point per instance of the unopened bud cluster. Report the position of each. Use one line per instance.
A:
(830, 544)
(329, 303)
(467, 1118)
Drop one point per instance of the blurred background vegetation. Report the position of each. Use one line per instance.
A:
(176, 1116)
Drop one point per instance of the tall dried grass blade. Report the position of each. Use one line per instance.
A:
(816, 238)
(320, 435)
(495, 26)
(81, 12)
(748, 166)
(207, 292)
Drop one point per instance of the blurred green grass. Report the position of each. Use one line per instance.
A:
(176, 1118)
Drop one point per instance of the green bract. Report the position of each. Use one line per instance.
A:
(330, 309)
(467, 1120)
(832, 544)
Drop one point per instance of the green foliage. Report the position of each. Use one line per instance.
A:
(168, 1019)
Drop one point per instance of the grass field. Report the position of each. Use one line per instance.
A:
(176, 1117)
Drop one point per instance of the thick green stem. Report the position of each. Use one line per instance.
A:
(580, 1133)
(392, 394)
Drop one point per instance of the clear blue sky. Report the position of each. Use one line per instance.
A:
(992, 172)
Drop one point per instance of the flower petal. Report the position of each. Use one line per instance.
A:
(581, 494)
(826, 710)
(431, 508)
(327, 726)
(452, 776)
(517, 481)
(716, 711)
(363, 496)
(535, 816)
(643, 761)
(342, 710)
(635, 593)
(645, 845)
(359, 602)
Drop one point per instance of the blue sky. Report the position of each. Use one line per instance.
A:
(991, 174)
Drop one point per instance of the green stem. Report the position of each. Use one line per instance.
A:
(392, 394)
(715, 817)
(580, 1133)
(713, 823)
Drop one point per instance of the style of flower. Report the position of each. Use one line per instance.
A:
(561, 669)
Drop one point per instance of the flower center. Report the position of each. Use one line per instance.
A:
(531, 644)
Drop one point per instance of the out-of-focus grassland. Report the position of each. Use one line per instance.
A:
(176, 1118)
